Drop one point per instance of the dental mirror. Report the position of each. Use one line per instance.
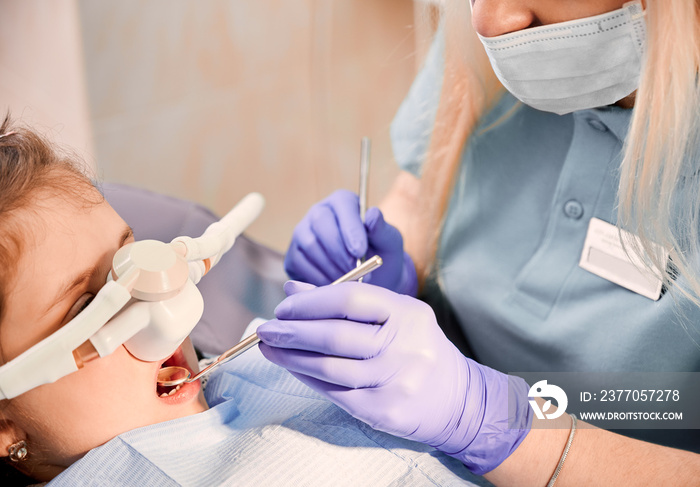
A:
(175, 375)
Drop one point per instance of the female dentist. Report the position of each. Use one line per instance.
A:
(599, 126)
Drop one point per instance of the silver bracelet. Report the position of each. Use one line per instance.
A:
(557, 471)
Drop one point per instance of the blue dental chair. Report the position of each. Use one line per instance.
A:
(245, 284)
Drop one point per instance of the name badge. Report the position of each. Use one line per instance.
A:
(604, 256)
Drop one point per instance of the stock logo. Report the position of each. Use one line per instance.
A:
(549, 392)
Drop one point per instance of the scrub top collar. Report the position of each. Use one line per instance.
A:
(612, 118)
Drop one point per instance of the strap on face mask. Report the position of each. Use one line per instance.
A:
(53, 357)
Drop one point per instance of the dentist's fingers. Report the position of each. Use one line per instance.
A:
(317, 256)
(328, 240)
(346, 206)
(293, 287)
(298, 267)
(338, 338)
(307, 258)
(382, 236)
(386, 240)
(339, 371)
(354, 301)
(326, 227)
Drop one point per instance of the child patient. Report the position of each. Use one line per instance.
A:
(106, 423)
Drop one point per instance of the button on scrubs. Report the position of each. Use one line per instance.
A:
(528, 185)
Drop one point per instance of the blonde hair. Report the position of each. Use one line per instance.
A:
(469, 87)
(659, 193)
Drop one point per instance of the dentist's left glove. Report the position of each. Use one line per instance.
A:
(383, 358)
(331, 236)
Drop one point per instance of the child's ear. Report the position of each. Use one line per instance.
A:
(9, 435)
(13, 472)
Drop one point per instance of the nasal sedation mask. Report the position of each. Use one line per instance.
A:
(149, 304)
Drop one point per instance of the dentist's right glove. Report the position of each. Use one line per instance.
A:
(331, 237)
(382, 357)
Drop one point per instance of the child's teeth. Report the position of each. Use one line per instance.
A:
(172, 391)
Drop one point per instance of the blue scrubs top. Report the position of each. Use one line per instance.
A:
(528, 184)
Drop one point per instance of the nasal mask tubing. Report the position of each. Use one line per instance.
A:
(150, 304)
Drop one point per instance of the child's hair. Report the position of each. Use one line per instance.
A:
(659, 194)
(31, 169)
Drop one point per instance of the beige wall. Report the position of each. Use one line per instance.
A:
(209, 100)
(42, 72)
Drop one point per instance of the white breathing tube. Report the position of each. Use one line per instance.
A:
(219, 237)
(150, 305)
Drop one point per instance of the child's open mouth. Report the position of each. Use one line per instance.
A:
(181, 391)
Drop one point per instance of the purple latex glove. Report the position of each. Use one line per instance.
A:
(331, 237)
(382, 357)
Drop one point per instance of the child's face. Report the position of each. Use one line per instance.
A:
(66, 258)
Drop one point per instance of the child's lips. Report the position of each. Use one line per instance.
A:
(178, 394)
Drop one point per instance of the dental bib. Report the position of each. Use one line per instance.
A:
(575, 65)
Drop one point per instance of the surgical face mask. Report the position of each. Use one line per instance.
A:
(575, 65)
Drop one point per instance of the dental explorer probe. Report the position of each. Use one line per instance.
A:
(175, 375)
(365, 148)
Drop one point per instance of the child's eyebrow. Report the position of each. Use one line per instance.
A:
(87, 275)
(126, 235)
